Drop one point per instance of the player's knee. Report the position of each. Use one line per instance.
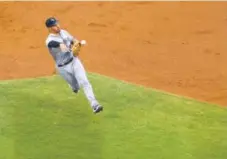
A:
(85, 83)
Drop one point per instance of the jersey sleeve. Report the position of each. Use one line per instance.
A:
(53, 44)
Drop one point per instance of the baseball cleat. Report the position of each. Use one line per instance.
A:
(97, 109)
(76, 91)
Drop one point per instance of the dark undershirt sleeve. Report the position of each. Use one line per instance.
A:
(53, 44)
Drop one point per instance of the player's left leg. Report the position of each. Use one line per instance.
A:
(66, 74)
(83, 81)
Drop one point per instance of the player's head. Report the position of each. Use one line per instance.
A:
(53, 25)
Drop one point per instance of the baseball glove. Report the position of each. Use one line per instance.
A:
(76, 48)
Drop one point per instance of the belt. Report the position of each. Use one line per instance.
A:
(66, 63)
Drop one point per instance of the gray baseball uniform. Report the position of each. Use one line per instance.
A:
(68, 66)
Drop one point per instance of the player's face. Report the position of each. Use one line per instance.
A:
(56, 28)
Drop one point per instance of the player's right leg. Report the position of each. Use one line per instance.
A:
(84, 83)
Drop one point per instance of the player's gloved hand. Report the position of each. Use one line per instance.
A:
(76, 48)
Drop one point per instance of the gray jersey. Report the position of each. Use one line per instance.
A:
(58, 55)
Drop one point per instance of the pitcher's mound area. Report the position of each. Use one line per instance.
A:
(180, 47)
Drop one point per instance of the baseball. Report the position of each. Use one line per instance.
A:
(83, 42)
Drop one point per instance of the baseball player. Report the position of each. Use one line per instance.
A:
(64, 48)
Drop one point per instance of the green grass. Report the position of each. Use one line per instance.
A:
(42, 119)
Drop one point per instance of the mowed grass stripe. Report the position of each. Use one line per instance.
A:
(44, 119)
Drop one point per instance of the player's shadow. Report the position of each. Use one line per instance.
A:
(56, 129)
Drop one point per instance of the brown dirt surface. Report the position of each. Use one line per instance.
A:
(179, 47)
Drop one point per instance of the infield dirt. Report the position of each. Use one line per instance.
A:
(179, 47)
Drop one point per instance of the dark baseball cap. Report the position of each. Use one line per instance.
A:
(52, 21)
